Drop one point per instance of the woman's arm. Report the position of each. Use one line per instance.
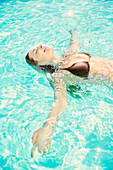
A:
(42, 137)
(73, 46)
(60, 99)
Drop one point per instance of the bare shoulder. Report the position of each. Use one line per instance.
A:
(71, 59)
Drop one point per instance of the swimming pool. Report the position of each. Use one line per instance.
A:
(83, 138)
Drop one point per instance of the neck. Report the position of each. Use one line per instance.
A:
(54, 61)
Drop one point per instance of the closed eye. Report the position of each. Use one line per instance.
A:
(36, 51)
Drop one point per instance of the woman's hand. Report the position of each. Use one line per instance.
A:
(42, 139)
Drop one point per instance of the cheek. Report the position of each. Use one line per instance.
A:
(42, 56)
(35, 57)
(46, 54)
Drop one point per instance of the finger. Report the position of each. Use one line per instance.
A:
(48, 146)
(39, 149)
(34, 137)
(44, 149)
(33, 150)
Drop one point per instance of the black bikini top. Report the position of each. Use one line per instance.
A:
(79, 69)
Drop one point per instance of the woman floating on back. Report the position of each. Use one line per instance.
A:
(70, 69)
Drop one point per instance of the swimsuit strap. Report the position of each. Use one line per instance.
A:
(85, 54)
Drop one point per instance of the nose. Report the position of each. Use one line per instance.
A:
(40, 46)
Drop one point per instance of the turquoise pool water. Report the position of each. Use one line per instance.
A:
(83, 138)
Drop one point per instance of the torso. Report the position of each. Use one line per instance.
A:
(102, 66)
(97, 65)
(100, 69)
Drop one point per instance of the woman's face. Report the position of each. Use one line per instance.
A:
(41, 54)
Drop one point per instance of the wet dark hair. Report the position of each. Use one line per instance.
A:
(29, 60)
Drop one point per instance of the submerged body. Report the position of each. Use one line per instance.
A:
(100, 71)
(70, 69)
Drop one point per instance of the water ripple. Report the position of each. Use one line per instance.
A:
(83, 138)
